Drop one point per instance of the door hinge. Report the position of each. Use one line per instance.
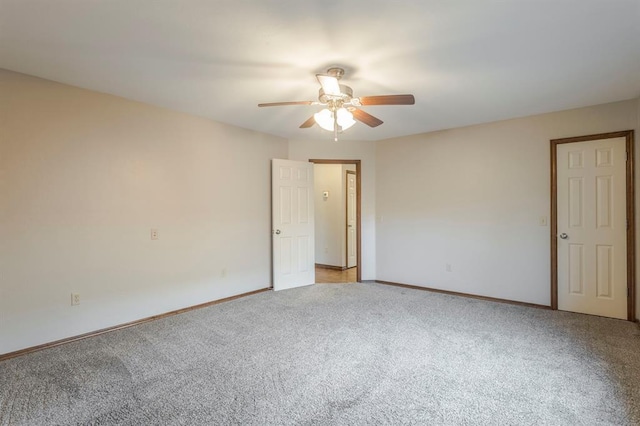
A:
(626, 155)
(628, 291)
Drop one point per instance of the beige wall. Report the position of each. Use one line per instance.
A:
(84, 177)
(304, 150)
(472, 198)
(329, 221)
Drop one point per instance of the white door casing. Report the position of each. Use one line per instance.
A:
(592, 227)
(292, 224)
(352, 225)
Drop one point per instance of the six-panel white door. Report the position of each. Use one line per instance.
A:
(352, 225)
(293, 224)
(591, 218)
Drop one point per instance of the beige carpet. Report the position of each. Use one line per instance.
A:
(339, 354)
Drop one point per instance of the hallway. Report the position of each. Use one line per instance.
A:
(327, 275)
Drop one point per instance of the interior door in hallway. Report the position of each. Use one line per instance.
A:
(352, 228)
(293, 224)
(592, 227)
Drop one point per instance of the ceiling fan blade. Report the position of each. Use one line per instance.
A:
(388, 100)
(310, 122)
(286, 103)
(366, 118)
(329, 84)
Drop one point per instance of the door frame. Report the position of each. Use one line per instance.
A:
(358, 207)
(630, 200)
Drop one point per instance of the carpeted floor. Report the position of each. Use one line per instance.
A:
(339, 354)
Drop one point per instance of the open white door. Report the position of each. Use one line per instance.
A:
(352, 222)
(293, 224)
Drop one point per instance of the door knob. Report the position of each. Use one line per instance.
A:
(277, 232)
(564, 236)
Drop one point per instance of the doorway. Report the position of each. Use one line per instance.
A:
(338, 250)
(592, 225)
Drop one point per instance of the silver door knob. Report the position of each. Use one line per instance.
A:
(277, 232)
(564, 236)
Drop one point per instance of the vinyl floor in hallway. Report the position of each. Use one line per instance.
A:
(326, 275)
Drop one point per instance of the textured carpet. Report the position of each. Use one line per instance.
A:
(338, 354)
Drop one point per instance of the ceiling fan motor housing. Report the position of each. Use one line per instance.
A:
(346, 93)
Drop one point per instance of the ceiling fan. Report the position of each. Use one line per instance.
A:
(341, 109)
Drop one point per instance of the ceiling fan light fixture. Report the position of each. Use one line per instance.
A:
(324, 119)
(345, 118)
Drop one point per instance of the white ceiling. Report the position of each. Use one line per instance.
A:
(466, 61)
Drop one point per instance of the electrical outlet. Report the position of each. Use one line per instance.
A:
(448, 267)
(223, 273)
(154, 234)
(75, 299)
(542, 221)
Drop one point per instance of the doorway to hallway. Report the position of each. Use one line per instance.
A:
(337, 217)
